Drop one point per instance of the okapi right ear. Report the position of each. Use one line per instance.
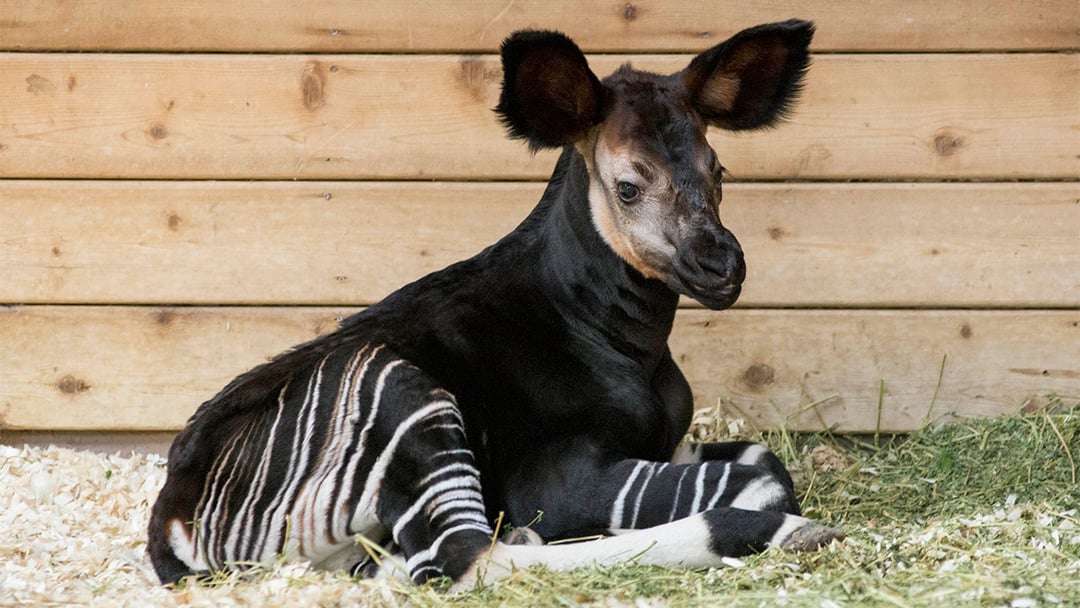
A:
(751, 80)
(550, 97)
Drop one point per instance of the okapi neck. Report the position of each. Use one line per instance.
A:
(587, 279)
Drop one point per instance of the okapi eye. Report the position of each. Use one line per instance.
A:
(628, 193)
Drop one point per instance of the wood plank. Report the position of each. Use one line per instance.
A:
(479, 25)
(341, 243)
(104, 442)
(146, 369)
(980, 116)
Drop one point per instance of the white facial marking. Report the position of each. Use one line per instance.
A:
(635, 231)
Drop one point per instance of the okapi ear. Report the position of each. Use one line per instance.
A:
(751, 80)
(550, 97)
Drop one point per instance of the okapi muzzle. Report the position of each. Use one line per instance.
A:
(709, 267)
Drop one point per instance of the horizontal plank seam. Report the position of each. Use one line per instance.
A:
(525, 180)
(494, 50)
(17, 306)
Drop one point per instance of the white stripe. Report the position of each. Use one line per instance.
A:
(456, 487)
(758, 494)
(686, 454)
(455, 466)
(241, 534)
(334, 517)
(186, 548)
(366, 504)
(272, 527)
(363, 515)
(752, 454)
(678, 490)
(699, 488)
(617, 508)
(637, 502)
(720, 486)
(429, 554)
(210, 512)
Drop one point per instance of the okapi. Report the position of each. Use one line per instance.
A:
(534, 378)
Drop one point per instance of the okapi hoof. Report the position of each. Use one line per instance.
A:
(521, 536)
(810, 537)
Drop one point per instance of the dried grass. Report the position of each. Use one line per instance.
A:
(973, 513)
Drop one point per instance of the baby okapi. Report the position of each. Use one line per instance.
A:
(534, 378)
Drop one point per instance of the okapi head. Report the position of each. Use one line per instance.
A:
(654, 181)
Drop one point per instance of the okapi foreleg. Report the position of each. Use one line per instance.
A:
(698, 541)
(740, 452)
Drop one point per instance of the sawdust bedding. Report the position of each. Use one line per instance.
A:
(74, 533)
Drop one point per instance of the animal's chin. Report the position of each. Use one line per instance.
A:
(718, 299)
(712, 291)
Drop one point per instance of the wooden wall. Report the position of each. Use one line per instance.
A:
(189, 188)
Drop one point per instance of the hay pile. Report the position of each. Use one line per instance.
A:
(972, 513)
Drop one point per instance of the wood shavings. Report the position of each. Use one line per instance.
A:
(75, 534)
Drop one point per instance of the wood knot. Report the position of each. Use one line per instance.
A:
(39, 85)
(629, 12)
(776, 233)
(965, 331)
(474, 76)
(946, 143)
(158, 131)
(758, 375)
(70, 385)
(164, 317)
(174, 221)
(313, 86)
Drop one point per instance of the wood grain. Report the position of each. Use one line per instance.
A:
(479, 25)
(349, 243)
(146, 369)
(971, 116)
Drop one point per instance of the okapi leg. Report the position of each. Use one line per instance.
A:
(579, 494)
(644, 494)
(698, 541)
(429, 492)
(740, 452)
(362, 443)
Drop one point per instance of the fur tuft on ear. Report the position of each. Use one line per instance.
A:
(751, 80)
(550, 98)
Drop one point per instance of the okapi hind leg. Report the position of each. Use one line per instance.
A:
(363, 443)
(429, 493)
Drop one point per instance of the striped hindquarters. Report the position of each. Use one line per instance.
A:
(361, 443)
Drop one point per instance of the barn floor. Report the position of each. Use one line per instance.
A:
(975, 513)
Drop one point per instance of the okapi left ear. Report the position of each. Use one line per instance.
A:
(550, 97)
(751, 80)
